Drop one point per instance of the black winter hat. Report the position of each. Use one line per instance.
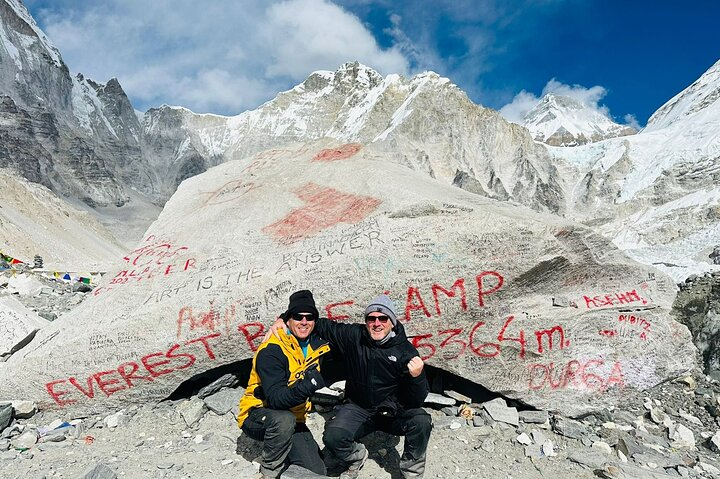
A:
(301, 302)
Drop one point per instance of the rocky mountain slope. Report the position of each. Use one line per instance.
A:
(559, 120)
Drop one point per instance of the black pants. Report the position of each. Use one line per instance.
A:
(284, 440)
(351, 422)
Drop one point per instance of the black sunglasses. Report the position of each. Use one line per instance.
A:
(371, 319)
(301, 316)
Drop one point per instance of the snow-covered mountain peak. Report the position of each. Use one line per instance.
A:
(29, 30)
(564, 121)
(702, 95)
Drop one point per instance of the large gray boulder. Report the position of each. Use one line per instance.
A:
(18, 325)
(527, 304)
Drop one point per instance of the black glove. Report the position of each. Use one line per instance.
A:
(312, 381)
(388, 408)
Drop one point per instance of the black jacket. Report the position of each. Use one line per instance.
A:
(377, 375)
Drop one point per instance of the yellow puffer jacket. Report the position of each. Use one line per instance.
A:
(287, 351)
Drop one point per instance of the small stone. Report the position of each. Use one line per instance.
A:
(99, 471)
(457, 396)
(484, 430)
(538, 437)
(6, 414)
(547, 449)
(478, 421)
(114, 420)
(690, 418)
(499, 411)
(227, 462)
(439, 399)
(226, 381)
(533, 417)
(455, 425)
(602, 446)
(569, 428)
(192, 410)
(450, 411)
(715, 442)
(681, 437)
(533, 451)
(24, 409)
(524, 439)
(223, 401)
(165, 465)
(657, 415)
(198, 439)
(25, 440)
(591, 458)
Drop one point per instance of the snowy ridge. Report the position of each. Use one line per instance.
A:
(701, 95)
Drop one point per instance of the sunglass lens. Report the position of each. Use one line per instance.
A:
(300, 317)
(382, 319)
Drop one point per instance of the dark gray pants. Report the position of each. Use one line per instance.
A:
(351, 422)
(284, 440)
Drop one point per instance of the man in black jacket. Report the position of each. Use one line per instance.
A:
(385, 389)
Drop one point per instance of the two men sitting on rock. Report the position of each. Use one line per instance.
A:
(385, 388)
(285, 373)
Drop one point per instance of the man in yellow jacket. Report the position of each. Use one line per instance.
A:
(284, 375)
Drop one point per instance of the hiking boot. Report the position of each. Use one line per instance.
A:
(353, 470)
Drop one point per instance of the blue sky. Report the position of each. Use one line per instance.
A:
(225, 56)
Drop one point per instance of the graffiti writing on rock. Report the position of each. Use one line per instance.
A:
(334, 154)
(458, 340)
(594, 375)
(128, 374)
(159, 258)
(230, 191)
(324, 208)
(614, 300)
(631, 325)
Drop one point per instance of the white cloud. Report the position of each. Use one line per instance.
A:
(631, 121)
(525, 101)
(220, 56)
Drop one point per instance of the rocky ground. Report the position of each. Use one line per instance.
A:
(672, 430)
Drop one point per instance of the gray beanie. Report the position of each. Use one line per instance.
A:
(382, 304)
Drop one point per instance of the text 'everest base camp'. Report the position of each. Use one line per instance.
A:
(527, 304)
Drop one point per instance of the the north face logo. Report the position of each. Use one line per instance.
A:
(392, 358)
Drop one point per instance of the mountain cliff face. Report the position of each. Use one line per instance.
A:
(425, 123)
(68, 133)
(563, 121)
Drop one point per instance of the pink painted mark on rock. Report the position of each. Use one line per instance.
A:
(334, 154)
(324, 208)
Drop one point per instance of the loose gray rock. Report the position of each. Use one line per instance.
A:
(6, 414)
(714, 442)
(630, 447)
(450, 411)
(99, 471)
(629, 471)
(570, 428)
(533, 417)
(225, 381)
(24, 409)
(223, 401)
(667, 459)
(499, 411)
(439, 399)
(192, 410)
(26, 440)
(591, 458)
(457, 396)
(118, 419)
(681, 437)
